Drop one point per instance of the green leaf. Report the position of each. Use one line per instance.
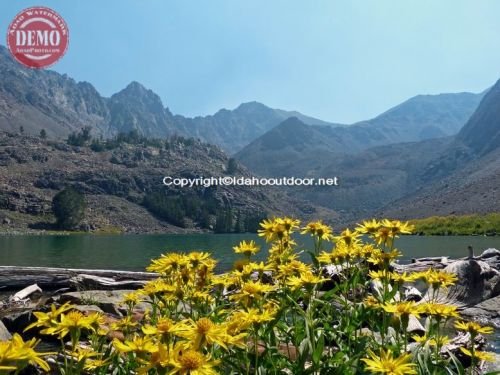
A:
(318, 351)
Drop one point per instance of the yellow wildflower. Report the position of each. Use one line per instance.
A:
(138, 344)
(205, 332)
(431, 341)
(368, 227)
(167, 263)
(164, 327)
(251, 291)
(473, 328)
(438, 278)
(382, 258)
(49, 319)
(387, 364)
(396, 227)
(74, 321)
(349, 238)
(482, 356)
(126, 323)
(305, 280)
(247, 248)
(16, 354)
(198, 258)
(276, 229)
(318, 229)
(192, 362)
(402, 311)
(439, 310)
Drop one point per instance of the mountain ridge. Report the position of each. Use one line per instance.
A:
(44, 99)
(57, 103)
(470, 182)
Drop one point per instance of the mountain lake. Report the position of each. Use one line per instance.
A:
(134, 252)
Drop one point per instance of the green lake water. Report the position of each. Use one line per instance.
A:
(134, 252)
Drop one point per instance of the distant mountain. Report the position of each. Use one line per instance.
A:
(422, 117)
(42, 99)
(472, 189)
(465, 177)
(407, 159)
(232, 129)
(449, 174)
(305, 119)
(426, 116)
(291, 149)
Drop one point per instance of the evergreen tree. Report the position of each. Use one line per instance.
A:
(69, 208)
(43, 134)
(80, 138)
(167, 208)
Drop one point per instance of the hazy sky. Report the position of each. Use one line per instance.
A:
(340, 61)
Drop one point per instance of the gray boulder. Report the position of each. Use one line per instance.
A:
(4, 333)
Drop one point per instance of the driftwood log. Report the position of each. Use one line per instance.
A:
(422, 265)
(89, 282)
(15, 278)
(25, 293)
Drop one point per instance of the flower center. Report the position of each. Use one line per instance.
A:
(204, 325)
(191, 360)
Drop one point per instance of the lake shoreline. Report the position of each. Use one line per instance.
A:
(38, 232)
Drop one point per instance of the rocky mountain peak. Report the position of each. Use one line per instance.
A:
(138, 108)
(252, 108)
(136, 93)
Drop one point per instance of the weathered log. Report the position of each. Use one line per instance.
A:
(25, 293)
(418, 266)
(87, 282)
(14, 278)
(442, 259)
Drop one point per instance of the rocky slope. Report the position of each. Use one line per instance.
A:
(115, 183)
(425, 117)
(42, 99)
(465, 177)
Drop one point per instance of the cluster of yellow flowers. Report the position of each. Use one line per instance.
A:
(16, 354)
(263, 317)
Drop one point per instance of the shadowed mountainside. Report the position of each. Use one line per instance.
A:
(465, 178)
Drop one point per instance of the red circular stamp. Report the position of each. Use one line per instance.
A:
(37, 37)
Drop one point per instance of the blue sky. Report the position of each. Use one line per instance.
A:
(340, 61)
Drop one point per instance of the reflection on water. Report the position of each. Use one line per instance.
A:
(134, 252)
